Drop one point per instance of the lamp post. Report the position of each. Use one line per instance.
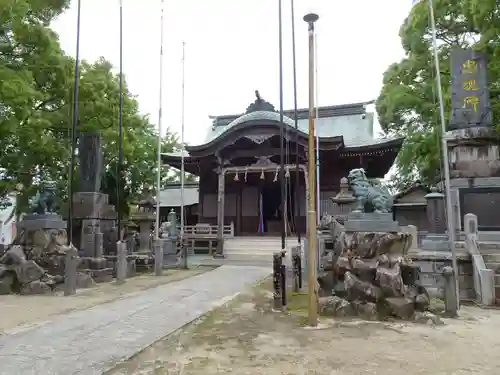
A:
(311, 18)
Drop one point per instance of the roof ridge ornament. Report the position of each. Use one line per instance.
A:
(260, 104)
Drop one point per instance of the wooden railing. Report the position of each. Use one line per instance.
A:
(207, 230)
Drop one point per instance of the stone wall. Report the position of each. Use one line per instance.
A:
(431, 265)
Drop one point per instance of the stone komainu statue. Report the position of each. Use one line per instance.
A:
(45, 200)
(370, 197)
(91, 162)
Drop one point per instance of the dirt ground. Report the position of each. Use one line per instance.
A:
(20, 312)
(247, 337)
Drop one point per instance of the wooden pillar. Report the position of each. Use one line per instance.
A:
(220, 213)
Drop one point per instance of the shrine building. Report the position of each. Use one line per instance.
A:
(238, 163)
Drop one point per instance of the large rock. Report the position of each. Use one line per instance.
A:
(401, 307)
(390, 281)
(335, 306)
(29, 271)
(36, 287)
(15, 255)
(84, 280)
(360, 290)
(7, 283)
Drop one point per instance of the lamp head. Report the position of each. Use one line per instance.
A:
(311, 17)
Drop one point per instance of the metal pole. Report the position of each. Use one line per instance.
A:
(182, 155)
(120, 133)
(295, 117)
(160, 124)
(318, 191)
(449, 207)
(74, 125)
(311, 18)
(282, 132)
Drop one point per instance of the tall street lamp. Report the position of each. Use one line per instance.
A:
(311, 18)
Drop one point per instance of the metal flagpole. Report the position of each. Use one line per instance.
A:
(74, 124)
(120, 132)
(449, 207)
(311, 18)
(184, 252)
(295, 115)
(282, 131)
(160, 125)
(318, 197)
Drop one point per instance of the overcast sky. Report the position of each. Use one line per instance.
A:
(232, 50)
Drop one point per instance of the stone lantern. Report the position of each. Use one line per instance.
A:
(436, 238)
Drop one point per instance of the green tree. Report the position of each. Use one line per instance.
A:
(408, 103)
(36, 88)
(32, 68)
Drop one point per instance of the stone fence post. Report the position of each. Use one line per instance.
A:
(470, 226)
(121, 262)
(159, 257)
(70, 265)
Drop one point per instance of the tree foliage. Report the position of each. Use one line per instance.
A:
(408, 103)
(36, 109)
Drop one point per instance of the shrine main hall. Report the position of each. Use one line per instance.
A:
(238, 163)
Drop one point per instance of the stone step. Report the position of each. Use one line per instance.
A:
(497, 280)
(491, 258)
(493, 266)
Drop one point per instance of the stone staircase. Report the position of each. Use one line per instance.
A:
(490, 250)
(256, 251)
(491, 255)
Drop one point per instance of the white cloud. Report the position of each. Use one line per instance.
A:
(232, 50)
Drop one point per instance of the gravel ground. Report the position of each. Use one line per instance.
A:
(246, 337)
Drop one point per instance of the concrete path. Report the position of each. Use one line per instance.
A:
(92, 341)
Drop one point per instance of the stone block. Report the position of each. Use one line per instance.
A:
(412, 230)
(104, 275)
(401, 307)
(89, 205)
(93, 263)
(371, 222)
(425, 266)
(40, 222)
(436, 243)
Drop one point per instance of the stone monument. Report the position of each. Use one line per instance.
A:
(89, 206)
(144, 218)
(170, 236)
(472, 142)
(436, 238)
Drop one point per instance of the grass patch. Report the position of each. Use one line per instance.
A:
(298, 302)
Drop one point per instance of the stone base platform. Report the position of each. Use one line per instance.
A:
(370, 222)
(97, 268)
(131, 264)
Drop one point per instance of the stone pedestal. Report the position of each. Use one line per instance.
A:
(370, 222)
(144, 220)
(170, 257)
(41, 222)
(473, 152)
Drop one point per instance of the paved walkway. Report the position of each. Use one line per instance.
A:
(91, 341)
